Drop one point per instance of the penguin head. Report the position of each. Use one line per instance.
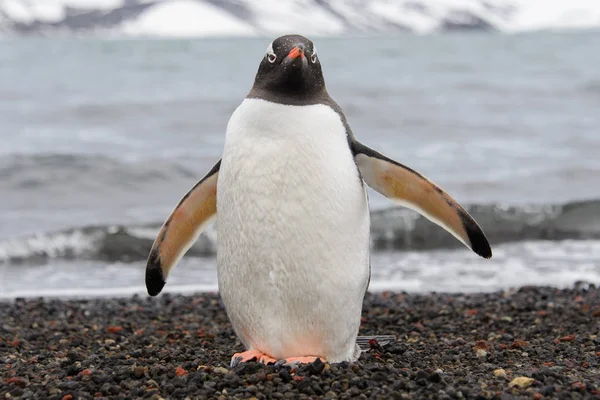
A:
(290, 66)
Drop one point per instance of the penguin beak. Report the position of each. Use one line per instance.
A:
(296, 52)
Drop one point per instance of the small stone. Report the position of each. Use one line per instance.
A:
(399, 385)
(221, 370)
(251, 388)
(114, 329)
(139, 371)
(435, 378)
(379, 377)
(568, 338)
(180, 371)
(16, 381)
(518, 344)
(500, 372)
(521, 381)
(152, 383)
(285, 376)
(316, 367)
(481, 353)
(75, 356)
(481, 345)
(548, 390)
(421, 375)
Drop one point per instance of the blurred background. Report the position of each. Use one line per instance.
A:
(111, 110)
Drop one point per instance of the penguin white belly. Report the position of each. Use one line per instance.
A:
(293, 231)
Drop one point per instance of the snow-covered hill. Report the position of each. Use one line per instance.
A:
(273, 17)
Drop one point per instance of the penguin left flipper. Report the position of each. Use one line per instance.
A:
(183, 227)
(413, 190)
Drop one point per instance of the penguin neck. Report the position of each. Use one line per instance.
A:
(290, 97)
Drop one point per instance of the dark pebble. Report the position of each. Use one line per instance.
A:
(75, 356)
(285, 376)
(99, 378)
(67, 385)
(71, 352)
(547, 390)
(421, 375)
(316, 367)
(379, 377)
(399, 386)
(435, 377)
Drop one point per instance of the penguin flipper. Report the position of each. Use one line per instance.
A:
(179, 232)
(413, 190)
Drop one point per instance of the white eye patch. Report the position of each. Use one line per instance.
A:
(270, 49)
(271, 56)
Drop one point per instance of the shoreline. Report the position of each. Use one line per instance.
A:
(532, 342)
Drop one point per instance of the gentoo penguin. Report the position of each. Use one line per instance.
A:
(293, 218)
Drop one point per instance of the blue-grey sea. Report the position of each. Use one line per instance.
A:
(99, 139)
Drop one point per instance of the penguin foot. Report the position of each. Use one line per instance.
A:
(251, 355)
(301, 360)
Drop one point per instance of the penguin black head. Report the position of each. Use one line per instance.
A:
(290, 67)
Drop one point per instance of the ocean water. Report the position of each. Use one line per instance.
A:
(99, 139)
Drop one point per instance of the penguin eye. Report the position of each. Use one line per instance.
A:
(271, 57)
(313, 58)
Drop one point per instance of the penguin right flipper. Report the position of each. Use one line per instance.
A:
(179, 232)
(413, 190)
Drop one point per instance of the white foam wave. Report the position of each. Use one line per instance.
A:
(48, 245)
(113, 292)
(557, 264)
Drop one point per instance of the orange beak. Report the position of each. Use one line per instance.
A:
(296, 52)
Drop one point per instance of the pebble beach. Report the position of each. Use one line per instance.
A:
(530, 343)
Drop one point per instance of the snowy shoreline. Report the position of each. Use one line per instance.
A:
(247, 18)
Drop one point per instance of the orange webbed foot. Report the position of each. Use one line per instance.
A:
(301, 360)
(251, 355)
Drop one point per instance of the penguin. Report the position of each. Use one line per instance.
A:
(293, 226)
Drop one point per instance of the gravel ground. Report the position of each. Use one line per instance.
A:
(531, 343)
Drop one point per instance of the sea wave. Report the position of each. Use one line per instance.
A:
(20, 172)
(391, 229)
